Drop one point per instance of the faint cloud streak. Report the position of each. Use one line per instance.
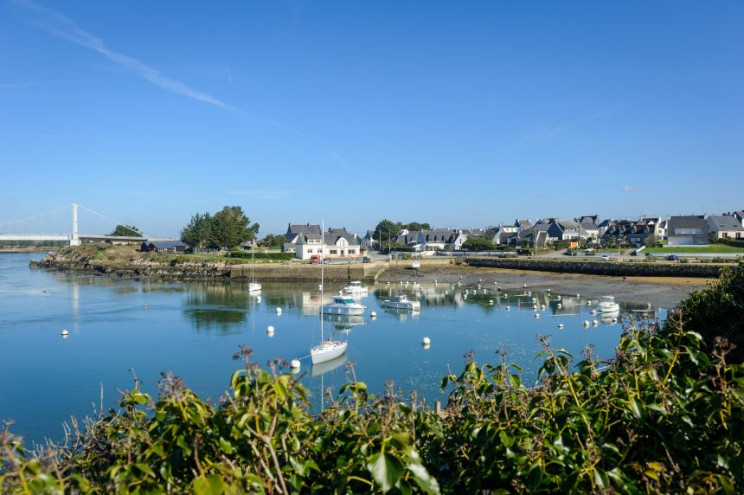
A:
(338, 158)
(65, 28)
(629, 188)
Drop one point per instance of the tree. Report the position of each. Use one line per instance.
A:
(272, 241)
(198, 231)
(478, 244)
(126, 230)
(416, 226)
(386, 230)
(231, 227)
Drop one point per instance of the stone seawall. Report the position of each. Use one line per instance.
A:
(615, 269)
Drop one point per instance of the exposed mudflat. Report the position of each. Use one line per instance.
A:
(663, 292)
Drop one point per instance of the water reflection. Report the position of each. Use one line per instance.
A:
(344, 323)
(322, 368)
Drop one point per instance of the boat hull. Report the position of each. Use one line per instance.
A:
(327, 351)
(254, 287)
(410, 305)
(343, 310)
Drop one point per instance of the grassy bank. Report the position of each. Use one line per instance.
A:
(712, 249)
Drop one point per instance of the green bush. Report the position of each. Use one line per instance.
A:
(259, 256)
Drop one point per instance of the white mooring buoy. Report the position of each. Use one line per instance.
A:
(295, 364)
(560, 326)
(595, 323)
(586, 323)
(278, 310)
(373, 314)
(270, 330)
(65, 333)
(537, 315)
(426, 341)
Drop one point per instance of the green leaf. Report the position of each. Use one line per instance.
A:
(534, 476)
(386, 470)
(423, 479)
(506, 439)
(209, 485)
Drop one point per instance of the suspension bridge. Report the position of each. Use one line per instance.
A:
(47, 227)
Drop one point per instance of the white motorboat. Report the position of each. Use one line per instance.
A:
(401, 302)
(607, 305)
(416, 265)
(355, 288)
(343, 305)
(330, 349)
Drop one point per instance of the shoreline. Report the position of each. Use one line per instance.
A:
(663, 292)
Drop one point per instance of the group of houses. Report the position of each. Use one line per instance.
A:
(306, 240)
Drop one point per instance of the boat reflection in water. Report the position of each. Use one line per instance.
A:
(324, 367)
(344, 323)
(403, 314)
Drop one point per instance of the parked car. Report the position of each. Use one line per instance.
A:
(605, 257)
(314, 258)
(672, 257)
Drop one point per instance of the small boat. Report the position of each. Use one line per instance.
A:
(416, 265)
(327, 350)
(355, 287)
(401, 302)
(607, 305)
(343, 305)
(254, 287)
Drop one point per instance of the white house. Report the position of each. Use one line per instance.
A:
(336, 243)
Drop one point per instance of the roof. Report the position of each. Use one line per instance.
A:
(303, 229)
(333, 235)
(718, 223)
(167, 244)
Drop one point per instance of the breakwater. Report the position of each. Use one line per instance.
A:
(614, 269)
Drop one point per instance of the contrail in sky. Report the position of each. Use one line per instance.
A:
(65, 28)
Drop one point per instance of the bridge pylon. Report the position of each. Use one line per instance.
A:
(74, 239)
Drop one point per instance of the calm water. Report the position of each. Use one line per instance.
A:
(120, 327)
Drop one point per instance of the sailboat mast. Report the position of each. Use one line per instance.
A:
(322, 275)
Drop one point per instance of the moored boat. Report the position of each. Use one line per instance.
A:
(343, 305)
(355, 287)
(607, 305)
(401, 302)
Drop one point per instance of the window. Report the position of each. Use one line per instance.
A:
(352, 251)
(334, 251)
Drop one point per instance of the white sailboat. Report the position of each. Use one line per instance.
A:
(253, 286)
(327, 349)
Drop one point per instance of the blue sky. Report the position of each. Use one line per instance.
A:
(457, 114)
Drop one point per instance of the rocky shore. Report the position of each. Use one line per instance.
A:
(133, 265)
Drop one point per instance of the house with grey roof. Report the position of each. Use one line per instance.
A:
(725, 227)
(687, 230)
(296, 231)
(562, 230)
(440, 239)
(588, 228)
(336, 243)
(369, 242)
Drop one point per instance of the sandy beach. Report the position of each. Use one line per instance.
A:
(663, 292)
